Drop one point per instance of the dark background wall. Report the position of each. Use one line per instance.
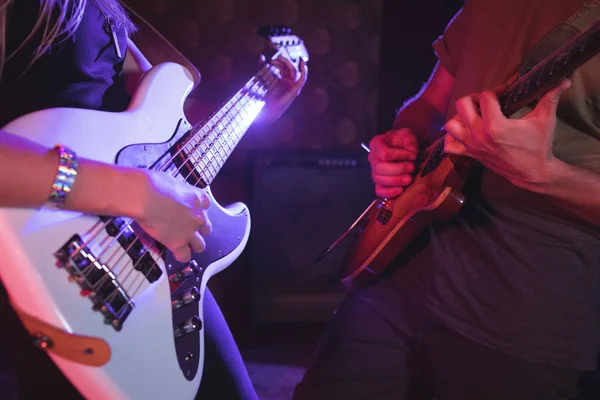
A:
(367, 58)
(338, 106)
(408, 30)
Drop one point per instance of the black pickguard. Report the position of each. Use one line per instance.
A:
(228, 232)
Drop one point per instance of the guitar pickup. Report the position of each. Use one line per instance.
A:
(129, 241)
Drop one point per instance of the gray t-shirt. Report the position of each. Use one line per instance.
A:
(513, 271)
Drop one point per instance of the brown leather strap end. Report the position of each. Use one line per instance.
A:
(85, 350)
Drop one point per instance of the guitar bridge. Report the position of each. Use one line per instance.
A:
(96, 280)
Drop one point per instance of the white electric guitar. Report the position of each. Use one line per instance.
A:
(118, 315)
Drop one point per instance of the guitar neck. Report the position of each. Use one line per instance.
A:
(209, 144)
(549, 72)
(533, 84)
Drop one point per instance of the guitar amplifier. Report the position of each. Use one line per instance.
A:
(300, 203)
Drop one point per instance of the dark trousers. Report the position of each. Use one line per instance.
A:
(28, 373)
(378, 346)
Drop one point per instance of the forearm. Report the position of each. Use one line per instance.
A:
(423, 119)
(575, 189)
(425, 113)
(29, 170)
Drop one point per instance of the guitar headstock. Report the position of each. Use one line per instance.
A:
(282, 42)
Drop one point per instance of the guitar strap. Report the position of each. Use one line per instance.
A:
(586, 15)
(155, 46)
(561, 33)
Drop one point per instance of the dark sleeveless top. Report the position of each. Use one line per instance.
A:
(83, 71)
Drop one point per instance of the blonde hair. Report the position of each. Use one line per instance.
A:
(58, 20)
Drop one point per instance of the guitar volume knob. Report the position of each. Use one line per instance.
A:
(190, 269)
(187, 297)
(192, 324)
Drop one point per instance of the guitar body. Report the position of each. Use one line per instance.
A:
(140, 357)
(393, 223)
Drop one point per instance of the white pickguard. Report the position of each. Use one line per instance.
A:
(143, 364)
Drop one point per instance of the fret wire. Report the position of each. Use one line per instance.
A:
(234, 135)
(218, 143)
(554, 60)
(199, 161)
(219, 148)
(222, 138)
(210, 166)
(215, 151)
(228, 141)
(202, 165)
(229, 116)
(195, 161)
(215, 141)
(191, 155)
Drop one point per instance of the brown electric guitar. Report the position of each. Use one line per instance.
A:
(388, 225)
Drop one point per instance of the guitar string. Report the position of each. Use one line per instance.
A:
(215, 139)
(561, 54)
(194, 132)
(521, 85)
(127, 226)
(430, 149)
(128, 271)
(261, 73)
(248, 91)
(168, 163)
(237, 111)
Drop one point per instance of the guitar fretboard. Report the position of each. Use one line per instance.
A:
(212, 142)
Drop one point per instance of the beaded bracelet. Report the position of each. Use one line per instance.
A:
(65, 177)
